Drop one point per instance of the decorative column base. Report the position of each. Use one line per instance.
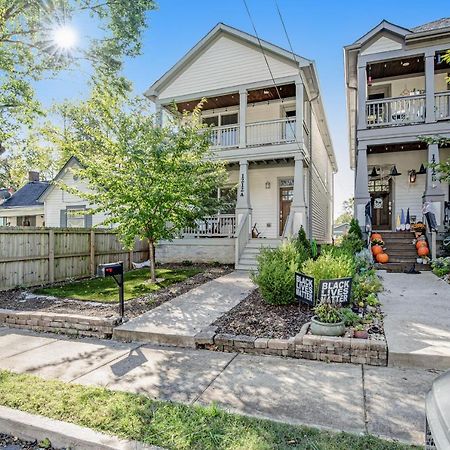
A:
(299, 219)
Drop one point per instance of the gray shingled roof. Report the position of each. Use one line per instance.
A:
(435, 25)
(27, 195)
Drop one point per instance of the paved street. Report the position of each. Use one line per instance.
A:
(354, 398)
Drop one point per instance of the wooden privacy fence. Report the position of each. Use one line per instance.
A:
(36, 256)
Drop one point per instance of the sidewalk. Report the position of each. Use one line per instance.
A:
(384, 401)
(417, 322)
(178, 321)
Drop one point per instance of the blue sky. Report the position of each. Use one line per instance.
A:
(318, 30)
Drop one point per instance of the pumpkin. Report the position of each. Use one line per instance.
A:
(421, 244)
(376, 237)
(423, 251)
(382, 258)
(377, 249)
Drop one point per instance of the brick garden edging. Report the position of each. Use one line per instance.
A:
(71, 324)
(307, 346)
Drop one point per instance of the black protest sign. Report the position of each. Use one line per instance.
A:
(337, 291)
(304, 288)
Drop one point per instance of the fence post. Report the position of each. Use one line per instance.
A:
(51, 256)
(92, 253)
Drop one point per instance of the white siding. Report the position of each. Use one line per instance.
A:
(59, 199)
(322, 187)
(226, 62)
(382, 44)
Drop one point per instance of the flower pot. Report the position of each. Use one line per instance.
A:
(360, 334)
(327, 329)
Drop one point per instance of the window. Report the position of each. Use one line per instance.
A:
(229, 119)
(221, 119)
(74, 219)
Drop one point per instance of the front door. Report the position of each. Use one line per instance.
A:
(286, 196)
(381, 199)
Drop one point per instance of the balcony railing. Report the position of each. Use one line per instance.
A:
(442, 105)
(277, 131)
(225, 136)
(221, 225)
(395, 111)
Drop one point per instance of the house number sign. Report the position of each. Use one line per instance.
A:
(242, 185)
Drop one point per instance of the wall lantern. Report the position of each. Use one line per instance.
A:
(412, 176)
(267, 184)
(394, 172)
(422, 170)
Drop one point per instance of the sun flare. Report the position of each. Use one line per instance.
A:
(65, 37)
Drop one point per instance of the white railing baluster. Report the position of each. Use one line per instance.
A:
(442, 105)
(221, 225)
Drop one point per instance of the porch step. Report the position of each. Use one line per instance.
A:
(248, 259)
(400, 267)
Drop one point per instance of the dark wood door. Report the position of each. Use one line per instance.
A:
(286, 195)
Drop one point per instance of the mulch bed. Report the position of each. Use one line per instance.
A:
(254, 317)
(12, 443)
(18, 299)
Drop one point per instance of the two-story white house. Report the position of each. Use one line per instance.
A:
(398, 91)
(265, 106)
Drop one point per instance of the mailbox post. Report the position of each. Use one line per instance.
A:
(113, 270)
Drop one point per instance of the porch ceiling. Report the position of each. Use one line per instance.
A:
(404, 147)
(264, 162)
(255, 96)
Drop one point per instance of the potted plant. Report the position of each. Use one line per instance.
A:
(360, 332)
(328, 320)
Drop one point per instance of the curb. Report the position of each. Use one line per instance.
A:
(32, 427)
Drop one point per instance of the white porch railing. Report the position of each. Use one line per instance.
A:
(222, 225)
(271, 132)
(225, 136)
(442, 105)
(395, 111)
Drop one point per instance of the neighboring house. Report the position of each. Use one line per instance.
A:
(397, 91)
(23, 208)
(61, 208)
(341, 229)
(268, 122)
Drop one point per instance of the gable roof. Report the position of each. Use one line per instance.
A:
(51, 185)
(27, 195)
(434, 25)
(221, 28)
(384, 25)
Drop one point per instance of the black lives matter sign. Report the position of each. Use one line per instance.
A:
(304, 289)
(336, 291)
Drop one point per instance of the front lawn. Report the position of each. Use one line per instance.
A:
(170, 425)
(137, 284)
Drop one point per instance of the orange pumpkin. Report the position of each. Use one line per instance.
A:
(423, 251)
(382, 258)
(376, 237)
(421, 244)
(377, 249)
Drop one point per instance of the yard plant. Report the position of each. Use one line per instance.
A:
(169, 425)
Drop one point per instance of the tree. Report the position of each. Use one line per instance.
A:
(32, 47)
(150, 181)
(347, 215)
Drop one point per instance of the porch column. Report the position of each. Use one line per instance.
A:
(299, 99)
(433, 189)
(362, 195)
(242, 118)
(362, 97)
(430, 115)
(158, 115)
(298, 206)
(243, 195)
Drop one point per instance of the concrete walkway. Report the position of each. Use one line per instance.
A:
(178, 321)
(359, 399)
(417, 322)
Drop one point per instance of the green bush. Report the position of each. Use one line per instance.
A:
(302, 246)
(353, 241)
(364, 285)
(328, 313)
(350, 318)
(329, 265)
(276, 274)
(441, 266)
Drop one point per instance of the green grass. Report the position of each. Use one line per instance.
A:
(170, 425)
(105, 289)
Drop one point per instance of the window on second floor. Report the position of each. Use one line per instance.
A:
(221, 119)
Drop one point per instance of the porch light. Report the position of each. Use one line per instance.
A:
(374, 173)
(267, 184)
(394, 172)
(422, 170)
(412, 176)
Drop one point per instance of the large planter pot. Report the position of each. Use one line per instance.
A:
(327, 329)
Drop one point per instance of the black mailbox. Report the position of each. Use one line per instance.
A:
(113, 270)
(110, 269)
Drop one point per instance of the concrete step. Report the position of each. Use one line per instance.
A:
(247, 260)
(258, 243)
(247, 267)
(252, 250)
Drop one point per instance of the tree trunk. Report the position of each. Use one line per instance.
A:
(151, 257)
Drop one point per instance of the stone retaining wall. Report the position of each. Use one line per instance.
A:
(321, 348)
(75, 325)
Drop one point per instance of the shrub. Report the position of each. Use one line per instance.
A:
(353, 241)
(328, 313)
(302, 246)
(350, 318)
(329, 265)
(363, 260)
(276, 274)
(441, 266)
(364, 285)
